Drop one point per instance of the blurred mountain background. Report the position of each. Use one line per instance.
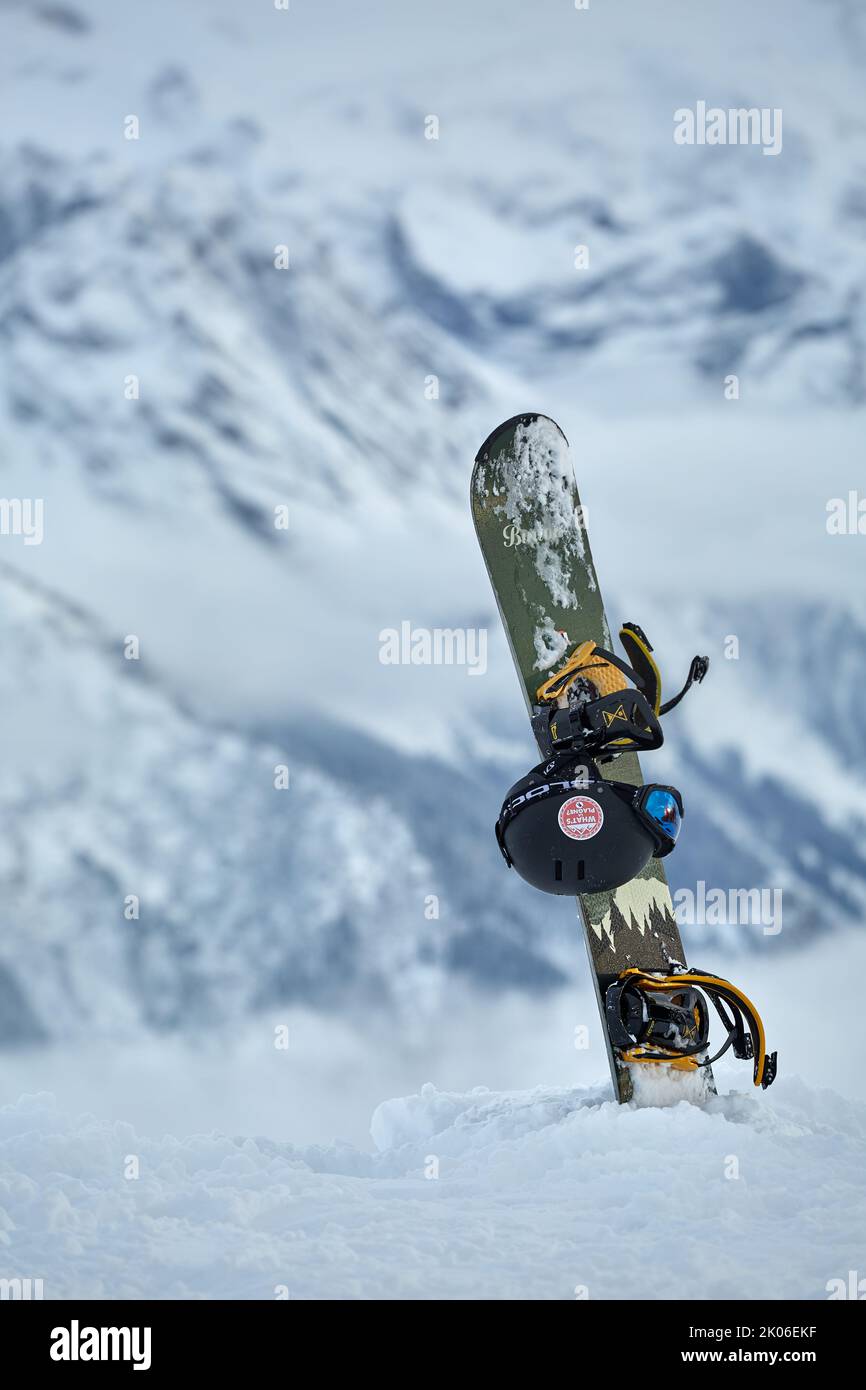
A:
(409, 258)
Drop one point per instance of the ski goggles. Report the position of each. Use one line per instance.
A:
(660, 809)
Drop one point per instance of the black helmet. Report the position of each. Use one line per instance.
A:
(566, 829)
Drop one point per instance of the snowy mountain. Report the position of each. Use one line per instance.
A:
(239, 905)
(166, 387)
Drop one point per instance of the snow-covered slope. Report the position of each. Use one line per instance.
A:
(550, 1194)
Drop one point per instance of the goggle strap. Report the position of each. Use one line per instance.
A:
(556, 770)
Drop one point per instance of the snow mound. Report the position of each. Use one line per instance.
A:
(548, 1194)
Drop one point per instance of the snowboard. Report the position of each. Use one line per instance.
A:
(531, 529)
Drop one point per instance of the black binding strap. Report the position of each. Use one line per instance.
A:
(698, 669)
(621, 722)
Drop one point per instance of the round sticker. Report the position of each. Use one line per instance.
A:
(580, 817)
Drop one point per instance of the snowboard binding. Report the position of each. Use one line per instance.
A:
(564, 827)
(620, 722)
(654, 1018)
(587, 705)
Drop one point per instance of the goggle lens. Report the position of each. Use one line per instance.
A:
(663, 808)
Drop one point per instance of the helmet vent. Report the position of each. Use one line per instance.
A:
(557, 870)
(580, 870)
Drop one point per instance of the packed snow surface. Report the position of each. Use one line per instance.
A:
(554, 1193)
